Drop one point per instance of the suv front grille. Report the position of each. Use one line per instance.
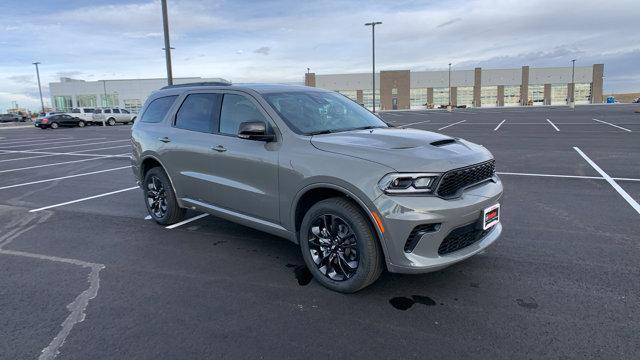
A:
(462, 237)
(454, 181)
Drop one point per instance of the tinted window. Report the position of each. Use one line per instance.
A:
(116, 111)
(97, 111)
(75, 111)
(199, 112)
(88, 111)
(107, 111)
(235, 110)
(157, 109)
(125, 111)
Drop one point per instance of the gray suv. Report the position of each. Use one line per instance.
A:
(315, 167)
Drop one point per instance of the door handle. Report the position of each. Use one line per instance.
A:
(164, 139)
(219, 148)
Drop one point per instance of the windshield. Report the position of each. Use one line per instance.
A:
(315, 112)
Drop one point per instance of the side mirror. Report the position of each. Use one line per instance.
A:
(255, 130)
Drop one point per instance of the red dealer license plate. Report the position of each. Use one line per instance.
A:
(491, 216)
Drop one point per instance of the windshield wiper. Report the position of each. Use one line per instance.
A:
(319, 132)
(369, 127)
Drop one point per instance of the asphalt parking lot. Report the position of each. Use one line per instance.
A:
(84, 275)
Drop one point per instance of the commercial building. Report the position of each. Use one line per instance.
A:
(404, 89)
(129, 94)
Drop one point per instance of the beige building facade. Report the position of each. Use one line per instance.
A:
(525, 86)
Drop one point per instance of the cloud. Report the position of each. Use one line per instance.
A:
(449, 22)
(264, 50)
(22, 79)
(124, 39)
(69, 74)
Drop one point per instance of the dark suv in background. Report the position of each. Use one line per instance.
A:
(315, 167)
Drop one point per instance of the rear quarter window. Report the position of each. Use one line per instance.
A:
(157, 109)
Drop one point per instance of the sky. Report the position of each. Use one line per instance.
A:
(275, 41)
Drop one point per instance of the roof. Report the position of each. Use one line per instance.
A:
(259, 88)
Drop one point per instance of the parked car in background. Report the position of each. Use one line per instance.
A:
(636, 101)
(10, 118)
(56, 120)
(84, 113)
(112, 116)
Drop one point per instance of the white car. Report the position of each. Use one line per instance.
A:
(83, 113)
(112, 116)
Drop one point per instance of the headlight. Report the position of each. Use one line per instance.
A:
(399, 183)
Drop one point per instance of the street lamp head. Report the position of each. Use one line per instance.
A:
(373, 23)
(36, 63)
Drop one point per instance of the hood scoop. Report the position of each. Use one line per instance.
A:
(443, 142)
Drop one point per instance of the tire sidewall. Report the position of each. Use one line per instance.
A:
(361, 228)
(54, 125)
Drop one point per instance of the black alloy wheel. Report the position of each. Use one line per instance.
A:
(156, 197)
(333, 247)
(160, 199)
(340, 246)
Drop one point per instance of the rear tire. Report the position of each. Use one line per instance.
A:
(81, 124)
(339, 245)
(111, 122)
(160, 199)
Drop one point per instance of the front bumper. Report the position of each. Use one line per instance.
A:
(401, 214)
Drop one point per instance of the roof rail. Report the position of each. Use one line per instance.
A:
(205, 83)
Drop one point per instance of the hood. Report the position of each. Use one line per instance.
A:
(405, 150)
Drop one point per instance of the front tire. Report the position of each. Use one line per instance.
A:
(160, 199)
(111, 122)
(54, 125)
(339, 245)
(81, 124)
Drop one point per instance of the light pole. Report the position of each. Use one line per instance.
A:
(373, 59)
(450, 107)
(39, 86)
(167, 46)
(573, 84)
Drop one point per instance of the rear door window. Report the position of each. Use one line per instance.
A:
(116, 111)
(157, 109)
(107, 111)
(199, 112)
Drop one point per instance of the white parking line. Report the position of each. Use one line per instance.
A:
(415, 123)
(615, 126)
(552, 124)
(53, 143)
(498, 127)
(61, 163)
(63, 177)
(95, 143)
(455, 123)
(50, 153)
(565, 176)
(611, 182)
(186, 221)
(12, 142)
(84, 199)
(70, 153)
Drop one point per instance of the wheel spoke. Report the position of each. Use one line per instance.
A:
(333, 247)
